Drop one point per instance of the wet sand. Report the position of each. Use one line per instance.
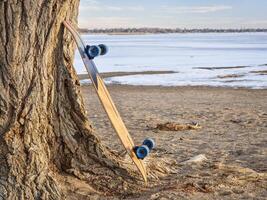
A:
(116, 74)
(233, 138)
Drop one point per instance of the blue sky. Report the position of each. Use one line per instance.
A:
(173, 13)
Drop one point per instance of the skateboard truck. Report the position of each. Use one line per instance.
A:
(96, 50)
(143, 150)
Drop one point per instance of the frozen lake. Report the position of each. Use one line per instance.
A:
(216, 59)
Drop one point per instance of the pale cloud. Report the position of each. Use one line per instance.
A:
(253, 23)
(111, 8)
(197, 9)
(136, 8)
(226, 22)
(92, 5)
(89, 8)
(99, 14)
(124, 8)
(91, 2)
(257, 22)
(107, 22)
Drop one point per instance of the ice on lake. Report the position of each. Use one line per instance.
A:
(198, 58)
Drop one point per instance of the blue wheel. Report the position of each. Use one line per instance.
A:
(93, 51)
(141, 151)
(150, 143)
(104, 49)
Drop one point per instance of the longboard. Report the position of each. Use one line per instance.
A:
(107, 102)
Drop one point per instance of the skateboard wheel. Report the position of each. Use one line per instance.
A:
(150, 143)
(104, 49)
(93, 51)
(142, 151)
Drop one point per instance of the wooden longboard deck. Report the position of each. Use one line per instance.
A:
(107, 102)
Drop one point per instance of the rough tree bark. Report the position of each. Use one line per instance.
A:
(47, 146)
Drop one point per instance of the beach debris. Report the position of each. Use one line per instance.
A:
(213, 68)
(196, 159)
(196, 187)
(237, 169)
(260, 72)
(160, 167)
(240, 175)
(171, 126)
(236, 121)
(230, 76)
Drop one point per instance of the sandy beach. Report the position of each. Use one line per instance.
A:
(231, 140)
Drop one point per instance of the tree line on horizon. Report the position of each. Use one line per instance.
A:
(167, 30)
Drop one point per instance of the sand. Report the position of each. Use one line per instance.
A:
(229, 151)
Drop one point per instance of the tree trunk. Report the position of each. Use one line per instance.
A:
(47, 147)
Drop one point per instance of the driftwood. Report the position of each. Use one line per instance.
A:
(196, 159)
(171, 126)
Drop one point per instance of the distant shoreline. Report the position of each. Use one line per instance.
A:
(142, 31)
